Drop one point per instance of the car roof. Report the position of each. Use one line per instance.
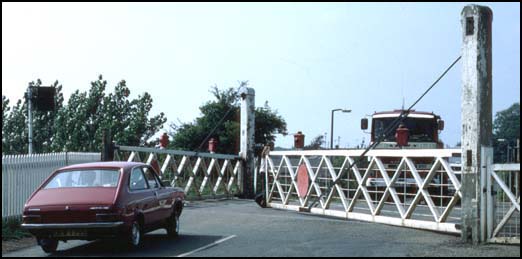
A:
(112, 164)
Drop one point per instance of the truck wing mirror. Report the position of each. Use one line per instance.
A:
(440, 124)
(364, 124)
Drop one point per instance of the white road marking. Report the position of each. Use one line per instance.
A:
(207, 246)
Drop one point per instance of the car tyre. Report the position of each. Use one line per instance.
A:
(136, 235)
(48, 245)
(173, 225)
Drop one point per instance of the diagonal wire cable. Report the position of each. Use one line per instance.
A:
(215, 127)
(232, 107)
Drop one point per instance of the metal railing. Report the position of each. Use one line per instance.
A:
(201, 175)
(504, 200)
(411, 188)
(22, 174)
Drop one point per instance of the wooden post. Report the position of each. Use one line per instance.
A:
(247, 141)
(30, 95)
(108, 146)
(518, 151)
(476, 116)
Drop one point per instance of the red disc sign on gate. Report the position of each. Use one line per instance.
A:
(302, 180)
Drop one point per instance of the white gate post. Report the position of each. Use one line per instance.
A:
(476, 115)
(247, 130)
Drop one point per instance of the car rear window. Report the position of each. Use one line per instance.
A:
(85, 178)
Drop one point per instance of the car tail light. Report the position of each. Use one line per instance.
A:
(31, 219)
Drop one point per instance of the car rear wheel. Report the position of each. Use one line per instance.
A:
(135, 238)
(173, 225)
(48, 245)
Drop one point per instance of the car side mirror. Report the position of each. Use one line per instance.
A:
(166, 183)
(364, 124)
(440, 124)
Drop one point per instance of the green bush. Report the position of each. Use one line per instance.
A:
(11, 229)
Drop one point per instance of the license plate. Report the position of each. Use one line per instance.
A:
(70, 233)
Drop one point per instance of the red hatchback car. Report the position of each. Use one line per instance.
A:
(102, 200)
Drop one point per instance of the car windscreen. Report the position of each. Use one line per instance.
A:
(85, 178)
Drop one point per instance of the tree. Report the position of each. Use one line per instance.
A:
(316, 143)
(79, 125)
(15, 132)
(5, 113)
(194, 136)
(87, 115)
(268, 123)
(190, 136)
(506, 130)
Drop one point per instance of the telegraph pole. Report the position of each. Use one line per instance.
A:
(29, 99)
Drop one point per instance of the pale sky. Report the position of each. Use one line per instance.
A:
(305, 59)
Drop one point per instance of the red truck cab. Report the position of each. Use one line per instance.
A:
(423, 129)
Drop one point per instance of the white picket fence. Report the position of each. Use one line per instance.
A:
(22, 174)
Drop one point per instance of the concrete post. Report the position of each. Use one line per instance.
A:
(476, 115)
(247, 130)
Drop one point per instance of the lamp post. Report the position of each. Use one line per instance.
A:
(332, 123)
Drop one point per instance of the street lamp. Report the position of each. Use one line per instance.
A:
(332, 123)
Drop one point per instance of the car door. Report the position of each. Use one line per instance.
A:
(163, 194)
(159, 198)
(143, 196)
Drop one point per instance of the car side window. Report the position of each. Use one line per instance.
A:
(151, 179)
(137, 180)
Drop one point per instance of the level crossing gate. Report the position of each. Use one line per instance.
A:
(411, 188)
(501, 189)
(201, 175)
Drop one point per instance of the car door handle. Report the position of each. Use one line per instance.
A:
(156, 193)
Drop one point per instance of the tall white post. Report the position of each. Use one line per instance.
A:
(477, 140)
(247, 131)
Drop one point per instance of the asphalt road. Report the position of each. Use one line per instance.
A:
(241, 228)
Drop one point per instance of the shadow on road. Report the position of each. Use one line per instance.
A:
(153, 245)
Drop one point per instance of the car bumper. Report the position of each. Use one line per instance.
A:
(73, 225)
(82, 231)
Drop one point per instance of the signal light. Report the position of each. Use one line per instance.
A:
(44, 98)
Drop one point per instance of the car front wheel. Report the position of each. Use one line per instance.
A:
(48, 245)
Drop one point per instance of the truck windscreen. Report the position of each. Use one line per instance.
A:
(420, 129)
